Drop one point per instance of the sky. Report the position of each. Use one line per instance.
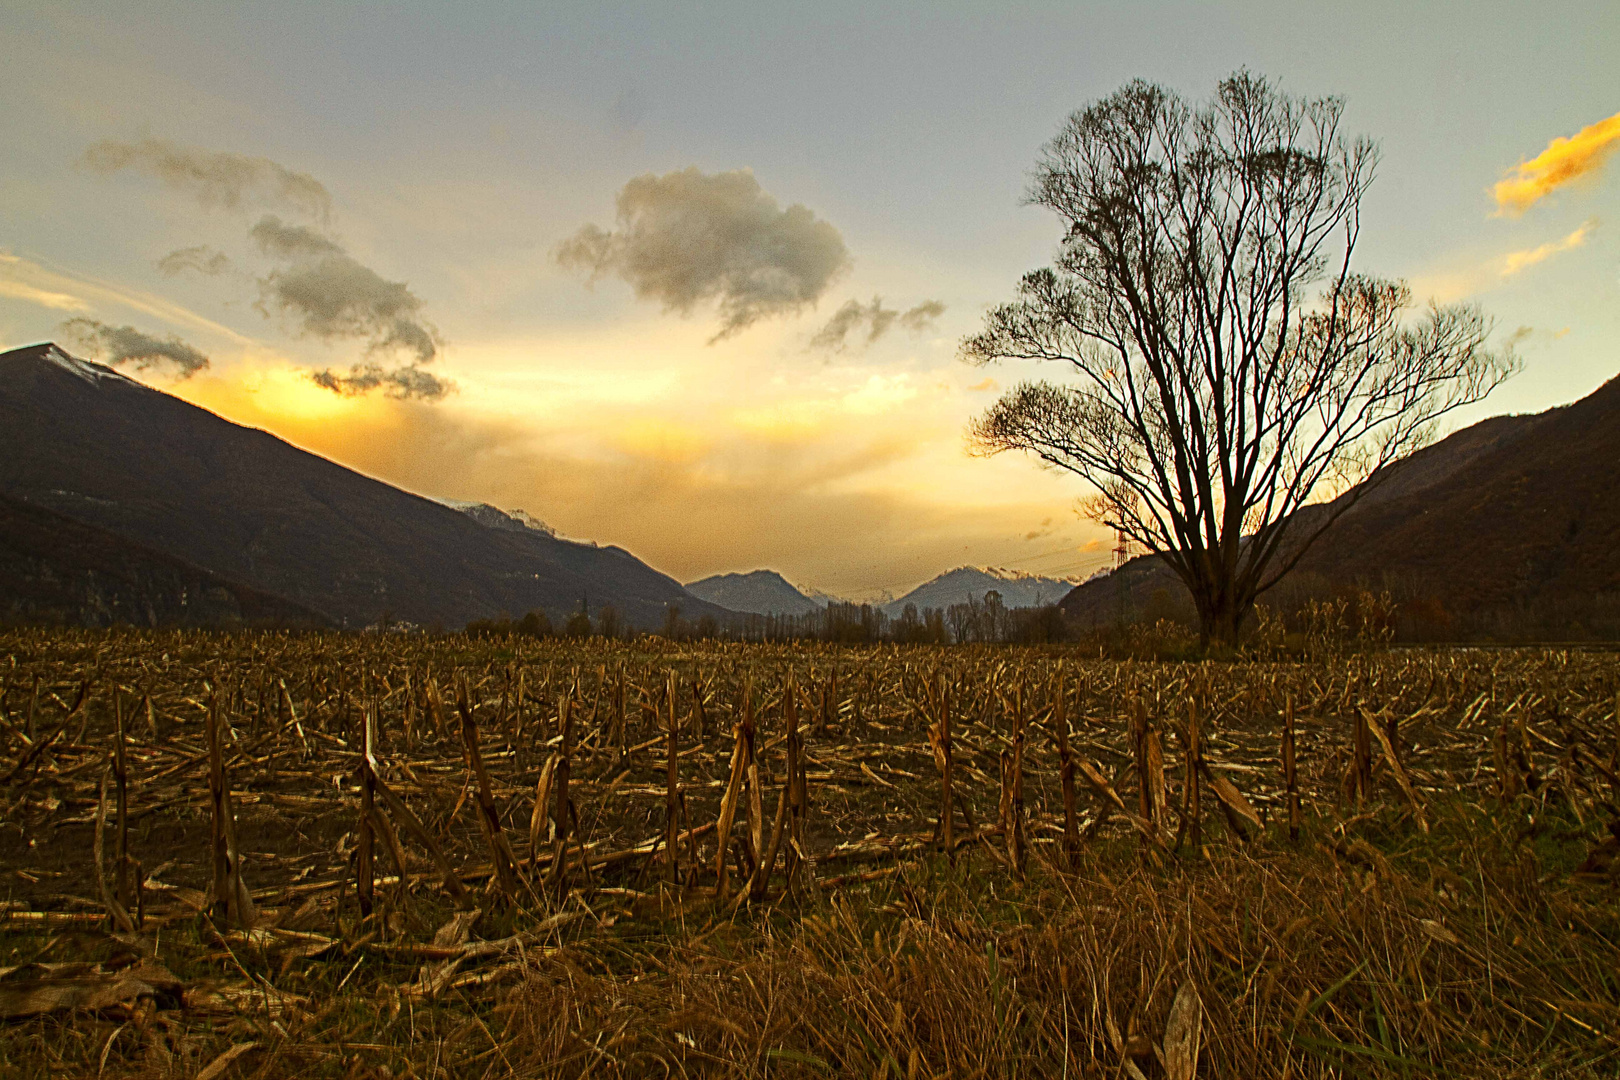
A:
(452, 245)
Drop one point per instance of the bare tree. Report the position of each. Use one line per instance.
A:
(1225, 365)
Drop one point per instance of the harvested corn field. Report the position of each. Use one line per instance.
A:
(399, 855)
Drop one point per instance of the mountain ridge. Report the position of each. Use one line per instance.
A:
(1508, 528)
(757, 592)
(99, 448)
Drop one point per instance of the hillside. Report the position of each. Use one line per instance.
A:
(83, 441)
(1507, 529)
(761, 592)
(58, 571)
(966, 583)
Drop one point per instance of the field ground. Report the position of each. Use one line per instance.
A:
(1447, 907)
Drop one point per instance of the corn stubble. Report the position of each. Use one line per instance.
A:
(979, 862)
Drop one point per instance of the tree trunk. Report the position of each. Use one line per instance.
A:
(1220, 620)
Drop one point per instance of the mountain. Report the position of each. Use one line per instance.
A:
(493, 517)
(56, 570)
(762, 592)
(84, 442)
(1506, 529)
(1017, 590)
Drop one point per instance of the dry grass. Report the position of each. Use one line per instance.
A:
(1307, 963)
(1487, 944)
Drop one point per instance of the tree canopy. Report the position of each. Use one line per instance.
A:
(1224, 363)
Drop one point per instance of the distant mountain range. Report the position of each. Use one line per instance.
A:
(1509, 529)
(765, 592)
(965, 583)
(175, 490)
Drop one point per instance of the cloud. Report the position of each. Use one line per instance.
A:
(25, 278)
(1515, 261)
(875, 319)
(120, 345)
(687, 238)
(1562, 161)
(21, 290)
(202, 259)
(214, 178)
(331, 295)
(280, 240)
(399, 383)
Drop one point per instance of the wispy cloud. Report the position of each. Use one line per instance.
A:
(27, 277)
(212, 177)
(687, 238)
(201, 259)
(60, 301)
(331, 295)
(1447, 284)
(866, 323)
(319, 286)
(1564, 160)
(121, 345)
(1515, 261)
(399, 383)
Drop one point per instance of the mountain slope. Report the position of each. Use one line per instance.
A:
(1510, 527)
(966, 583)
(58, 571)
(94, 446)
(762, 592)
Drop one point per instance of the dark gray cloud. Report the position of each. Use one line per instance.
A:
(331, 295)
(687, 238)
(401, 383)
(201, 259)
(214, 178)
(872, 321)
(120, 345)
(280, 240)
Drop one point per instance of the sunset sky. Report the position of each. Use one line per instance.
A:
(478, 207)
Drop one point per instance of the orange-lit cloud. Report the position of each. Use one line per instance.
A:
(1515, 261)
(1564, 160)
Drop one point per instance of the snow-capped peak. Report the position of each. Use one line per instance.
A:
(87, 370)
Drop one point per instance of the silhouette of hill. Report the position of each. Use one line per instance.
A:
(761, 592)
(1507, 529)
(79, 439)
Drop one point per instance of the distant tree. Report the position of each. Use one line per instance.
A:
(1211, 394)
(908, 628)
(608, 623)
(995, 618)
(674, 627)
(535, 624)
(1041, 625)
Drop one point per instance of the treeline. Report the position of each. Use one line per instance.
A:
(537, 624)
(975, 622)
(978, 621)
